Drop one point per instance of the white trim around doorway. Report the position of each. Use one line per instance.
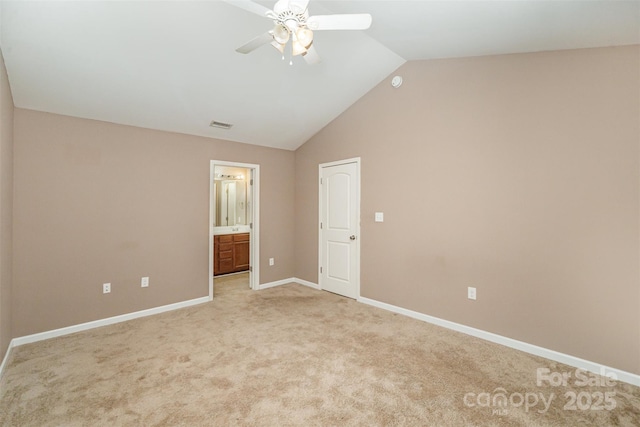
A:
(254, 252)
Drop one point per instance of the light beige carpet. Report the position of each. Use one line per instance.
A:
(290, 355)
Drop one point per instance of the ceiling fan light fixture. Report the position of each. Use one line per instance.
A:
(297, 48)
(304, 36)
(281, 34)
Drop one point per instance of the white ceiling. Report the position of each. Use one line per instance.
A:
(172, 65)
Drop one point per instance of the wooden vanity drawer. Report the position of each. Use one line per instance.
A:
(224, 247)
(243, 237)
(226, 238)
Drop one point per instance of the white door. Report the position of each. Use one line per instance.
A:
(340, 228)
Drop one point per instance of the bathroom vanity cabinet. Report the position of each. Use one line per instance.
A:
(230, 253)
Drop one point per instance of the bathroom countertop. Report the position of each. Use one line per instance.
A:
(236, 229)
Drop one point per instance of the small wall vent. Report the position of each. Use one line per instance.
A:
(221, 125)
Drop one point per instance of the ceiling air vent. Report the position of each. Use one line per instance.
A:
(221, 125)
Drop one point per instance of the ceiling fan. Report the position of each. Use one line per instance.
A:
(293, 23)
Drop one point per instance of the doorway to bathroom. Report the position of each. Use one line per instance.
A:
(234, 190)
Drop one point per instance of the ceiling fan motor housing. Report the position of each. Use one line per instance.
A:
(292, 21)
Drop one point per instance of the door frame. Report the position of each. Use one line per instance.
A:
(357, 161)
(254, 245)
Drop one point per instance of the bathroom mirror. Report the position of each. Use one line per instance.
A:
(230, 186)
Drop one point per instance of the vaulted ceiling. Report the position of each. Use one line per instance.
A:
(173, 66)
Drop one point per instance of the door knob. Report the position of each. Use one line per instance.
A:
(353, 237)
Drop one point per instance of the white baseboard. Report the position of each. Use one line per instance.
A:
(576, 362)
(276, 283)
(124, 317)
(6, 357)
(104, 322)
(306, 283)
(289, 280)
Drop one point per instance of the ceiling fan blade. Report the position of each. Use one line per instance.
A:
(281, 6)
(311, 56)
(256, 43)
(356, 21)
(250, 6)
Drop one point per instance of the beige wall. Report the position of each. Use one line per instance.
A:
(6, 207)
(525, 184)
(97, 202)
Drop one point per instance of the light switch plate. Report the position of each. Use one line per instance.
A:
(379, 217)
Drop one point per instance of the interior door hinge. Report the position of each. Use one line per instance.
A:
(320, 270)
(250, 226)
(320, 226)
(250, 268)
(251, 182)
(320, 181)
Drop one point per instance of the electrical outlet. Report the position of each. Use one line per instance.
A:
(471, 293)
(106, 288)
(144, 283)
(272, 261)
